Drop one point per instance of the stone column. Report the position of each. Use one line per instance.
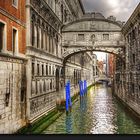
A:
(44, 40)
(28, 24)
(28, 95)
(40, 37)
(35, 36)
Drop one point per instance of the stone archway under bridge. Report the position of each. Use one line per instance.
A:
(92, 34)
(88, 35)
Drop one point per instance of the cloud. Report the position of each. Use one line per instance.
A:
(121, 9)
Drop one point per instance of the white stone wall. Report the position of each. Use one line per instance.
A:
(12, 108)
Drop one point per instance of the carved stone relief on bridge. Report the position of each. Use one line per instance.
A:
(92, 26)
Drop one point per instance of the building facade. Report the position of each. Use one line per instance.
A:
(128, 69)
(45, 81)
(32, 46)
(12, 65)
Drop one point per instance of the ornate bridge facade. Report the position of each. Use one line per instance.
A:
(91, 34)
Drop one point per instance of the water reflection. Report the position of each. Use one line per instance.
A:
(97, 113)
(104, 113)
(69, 123)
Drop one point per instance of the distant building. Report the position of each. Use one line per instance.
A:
(111, 59)
(100, 67)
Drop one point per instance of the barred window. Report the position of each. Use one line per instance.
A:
(81, 37)
(105, 36)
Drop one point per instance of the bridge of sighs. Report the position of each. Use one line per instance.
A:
(92, 34)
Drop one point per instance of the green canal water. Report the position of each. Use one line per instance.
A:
(98, 112)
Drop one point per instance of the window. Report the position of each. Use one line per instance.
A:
(62, 12)
(14, 41)
(44, 86)
(22, 96)
(7, 97)
(65, 15)
(133, 88)
(40, 85)
(15, 3)
(1, 36)
(50, 70)
(37, 69)
(51, 85)
(105, 36)
(81, 37)
(46, 69)
(134, 58)
(93, 37)
(42, 70)
(33, 65)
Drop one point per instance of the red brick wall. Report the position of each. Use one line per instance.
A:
(20, 14)
(111, 64)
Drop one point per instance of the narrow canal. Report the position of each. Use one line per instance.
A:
(97, 113)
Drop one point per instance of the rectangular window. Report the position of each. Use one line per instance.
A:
(1, 36)
(42, 70)
(46, 69)
(22, 96)
(38, 69)
(14, 41)
(15, 3)
(50, 70)
(33, 70)
(134, 58)
(133, 88)
(105, 36)
(65, 15)
(51, 85)
(81, 37)
(7, 99)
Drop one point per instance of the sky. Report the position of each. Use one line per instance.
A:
(121, 9)
(100, 56)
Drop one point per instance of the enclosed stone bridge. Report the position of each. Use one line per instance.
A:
(92, 34)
